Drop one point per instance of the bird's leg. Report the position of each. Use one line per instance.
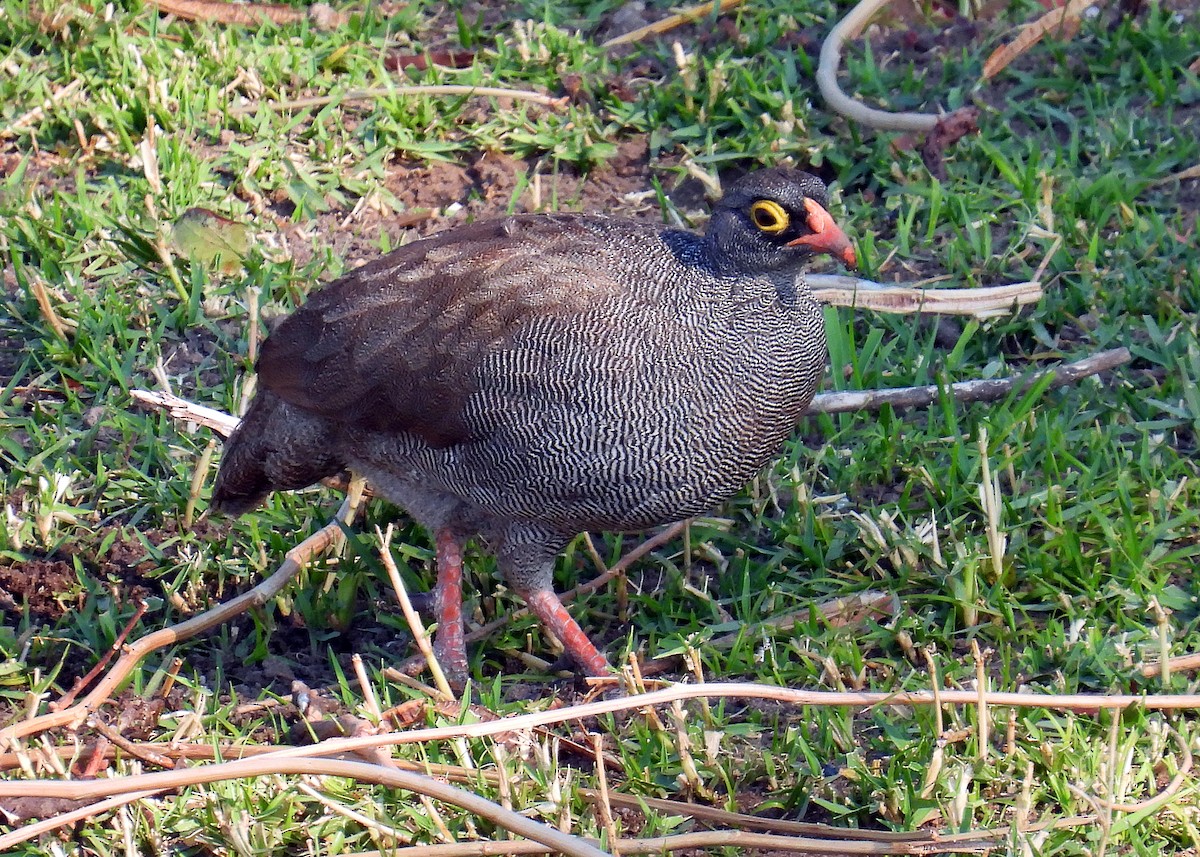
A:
(526, 555)
(449, 644)
(547, 606)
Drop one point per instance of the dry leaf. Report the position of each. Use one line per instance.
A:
(1066, 19)
(209, 238)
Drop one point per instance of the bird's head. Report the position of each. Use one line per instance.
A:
(772, 221)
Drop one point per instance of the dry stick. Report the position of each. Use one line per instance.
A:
(840, 611)
(267, 766)
(138, 751)
(199, 476)
(686, 16)
(661, 845)
(209, 753)
(306, 763)
(370, 701)
(53, 823)
(295, 560)
(185, 411)
(741, 821)
(1082, 702)
(701, 812)
(827, 68)
(986, 302)
(983, 718)
(374, 93)
(420, 637)
(984, 390)
(47, 308)
(1189, 173)
(602, 805)
(69, 697)
(396, 837)
(703, 842)
(1063, 17)
(1183, 662)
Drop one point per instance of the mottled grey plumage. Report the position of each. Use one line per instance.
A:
(532, 377)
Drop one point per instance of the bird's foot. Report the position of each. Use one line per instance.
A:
(547, 606)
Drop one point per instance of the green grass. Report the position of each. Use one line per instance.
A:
(1097, 482)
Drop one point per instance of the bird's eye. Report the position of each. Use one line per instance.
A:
(769, 216)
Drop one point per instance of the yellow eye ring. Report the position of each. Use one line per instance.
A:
(769, 216)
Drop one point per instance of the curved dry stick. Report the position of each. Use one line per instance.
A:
(295, 560)
(1083, 702)
(856, 111)
(236, 752)
(46, 825)
(1180, 662)
(267, 766)
(685, 16)
(453, 89)
(983, 390)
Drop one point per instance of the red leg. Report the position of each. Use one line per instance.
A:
(547, 607)
(449, 644)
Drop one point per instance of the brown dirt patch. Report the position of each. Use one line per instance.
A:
(48, 587)
(440, 195)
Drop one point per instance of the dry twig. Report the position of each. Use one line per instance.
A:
(831, 59)
(310, 760)
(1066, 19)
(1192, 172)
(1081, 702)
(375, 93)
(984, 390)
(146, 784)
(295, 560)
(986, 302)
(686, 16)
(420, 637)
(1182, 662)
(837, 612)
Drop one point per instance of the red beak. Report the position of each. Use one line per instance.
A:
(827, 236)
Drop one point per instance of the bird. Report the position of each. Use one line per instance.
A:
(523, 379)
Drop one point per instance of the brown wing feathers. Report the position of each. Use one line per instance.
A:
(394, 345)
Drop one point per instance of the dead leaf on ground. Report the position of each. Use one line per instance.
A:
(1066, 20)
(949, 130)
(420, 62)
(210, 239)
(250, 15)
